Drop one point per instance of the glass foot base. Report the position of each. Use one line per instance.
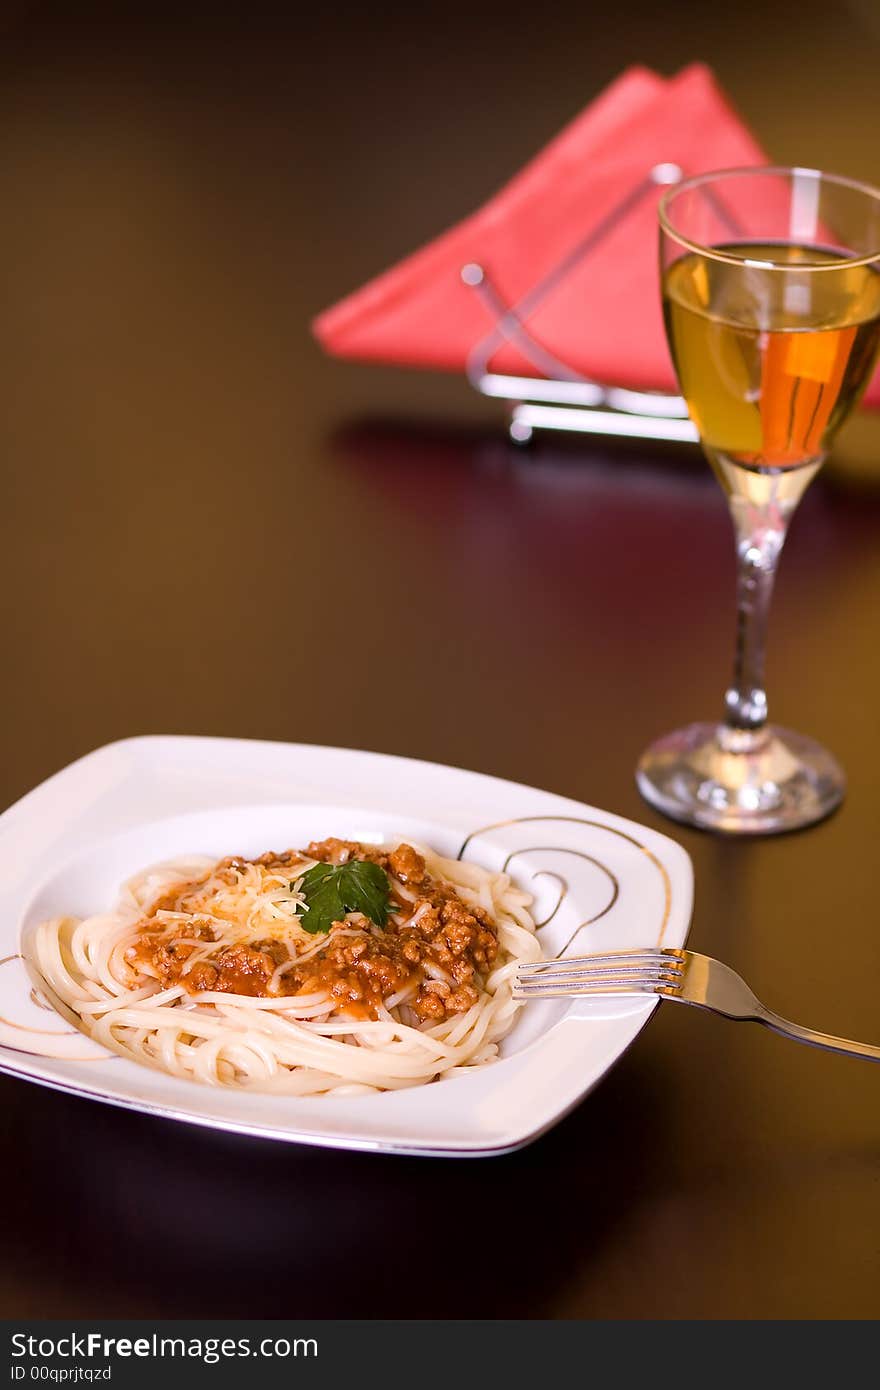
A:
(740, 783)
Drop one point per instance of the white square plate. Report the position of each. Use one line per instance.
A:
(600, 883)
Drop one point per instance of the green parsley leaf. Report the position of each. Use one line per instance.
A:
(365, 888)
(331, 890)
(320, 888)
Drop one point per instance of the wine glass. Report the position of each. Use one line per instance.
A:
(771, 298)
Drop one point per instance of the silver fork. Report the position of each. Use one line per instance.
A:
(671, 974)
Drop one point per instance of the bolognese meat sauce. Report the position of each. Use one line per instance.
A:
(433, 954)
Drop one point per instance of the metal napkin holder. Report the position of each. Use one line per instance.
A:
(561, 398)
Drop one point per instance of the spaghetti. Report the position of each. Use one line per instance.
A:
(210, 971)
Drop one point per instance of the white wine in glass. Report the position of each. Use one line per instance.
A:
(771, 297)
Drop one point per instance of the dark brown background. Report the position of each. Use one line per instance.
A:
(186, 480)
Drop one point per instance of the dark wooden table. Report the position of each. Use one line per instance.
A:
(182, 471)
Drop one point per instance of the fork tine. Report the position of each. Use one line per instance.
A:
(573, 968)
(651, 970)
(612, 986)
(582, 991)
(579, 971)
(600, 978)
(652, 955)
(597, 981)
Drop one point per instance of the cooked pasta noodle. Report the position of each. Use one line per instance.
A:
(206, 971)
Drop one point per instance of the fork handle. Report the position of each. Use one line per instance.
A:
(826, 1041)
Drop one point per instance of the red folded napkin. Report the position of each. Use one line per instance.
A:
(603, 318)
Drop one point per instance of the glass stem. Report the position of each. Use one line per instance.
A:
(760, 522)
(757, 554)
